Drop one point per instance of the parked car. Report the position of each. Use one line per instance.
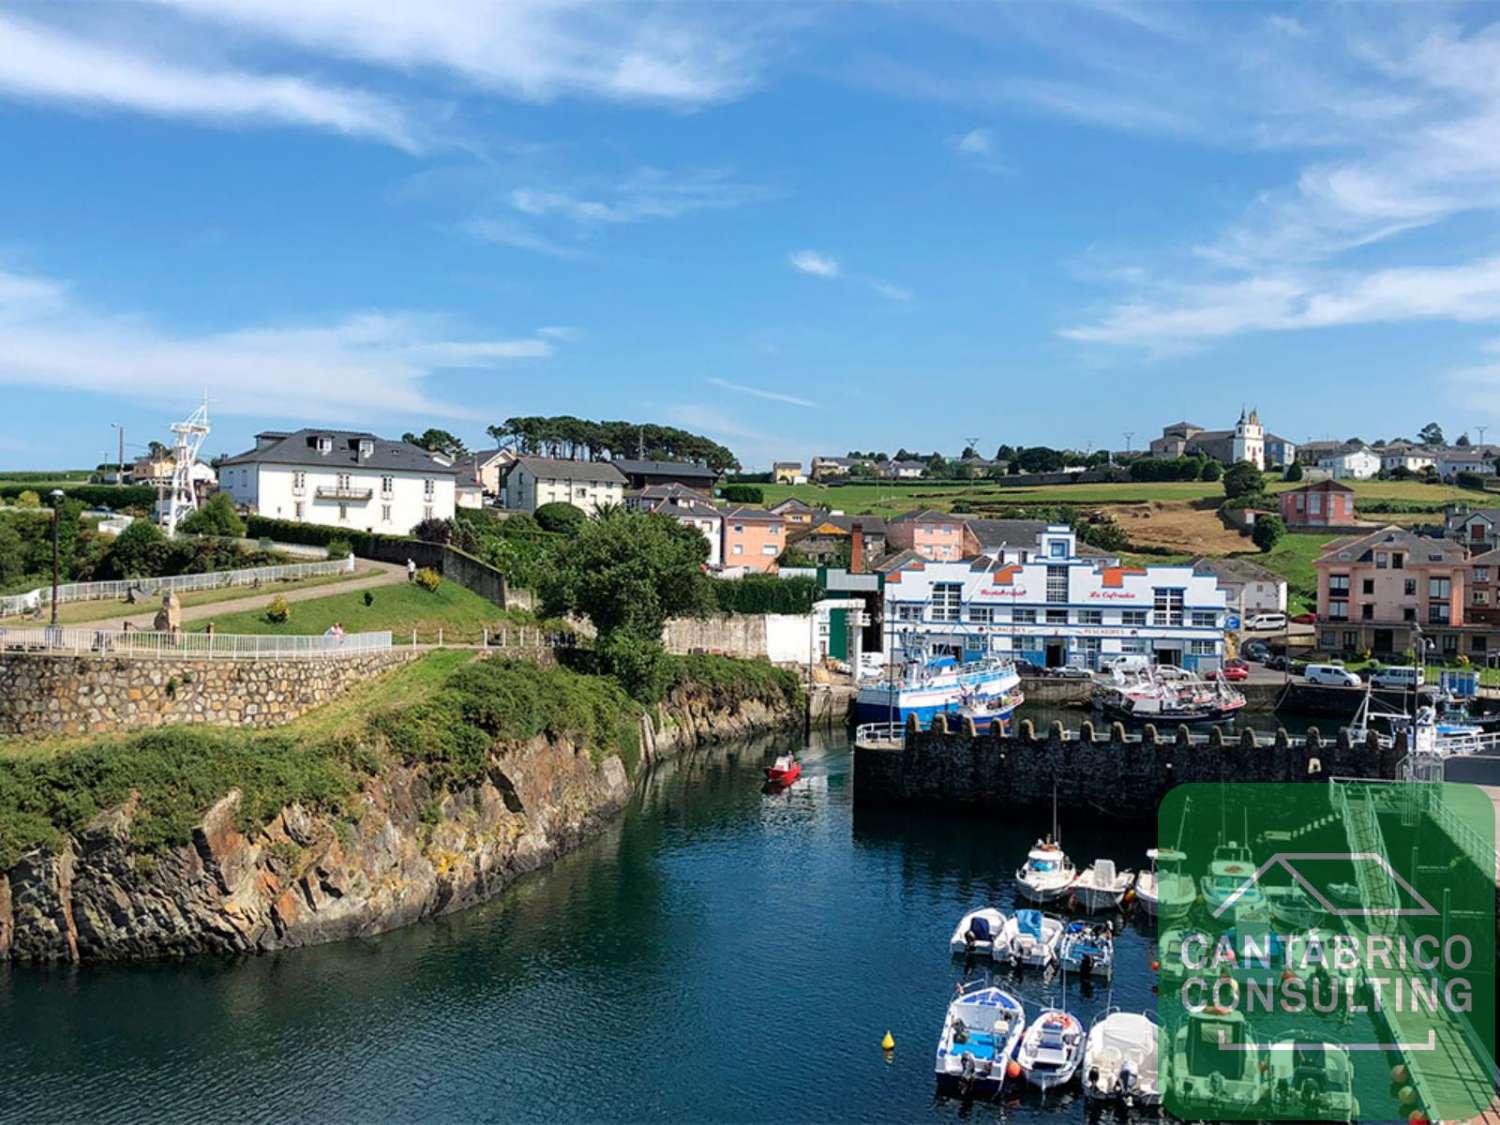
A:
(1258, 621)
(1256, 650)
(1397, 679)
(1279, 663)
(1331, 675)
(1305, 619)
(1233, 671)
(1073, 672)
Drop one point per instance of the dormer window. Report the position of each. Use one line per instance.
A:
(325, 444)
(366, 449)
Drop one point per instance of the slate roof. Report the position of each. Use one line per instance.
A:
(563, 468)
(1235, 570)
(300, 448)
(1354, 548)
(665, 468)
(1006, 533)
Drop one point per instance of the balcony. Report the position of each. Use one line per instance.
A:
(356, 495)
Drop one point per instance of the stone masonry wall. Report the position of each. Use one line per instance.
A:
(1101, 770)
(47, 694)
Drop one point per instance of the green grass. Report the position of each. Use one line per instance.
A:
(400, 608)
(1292, 558)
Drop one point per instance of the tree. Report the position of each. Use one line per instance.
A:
(137, 552)
(434, 531)
(12, 558)
(628, 572)
(156, 451)
(1293, 471)
(28, 499)
(969, 453)
(1268, 531)
(216, 517)
(561, 517)
(937, 465)
(1211, 471)
(1463, 439)
(437, 441)
(1430, 434)
(1242, 479)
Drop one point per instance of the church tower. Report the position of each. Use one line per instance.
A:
(1250, 439)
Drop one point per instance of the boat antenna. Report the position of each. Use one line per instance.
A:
(1056, 835)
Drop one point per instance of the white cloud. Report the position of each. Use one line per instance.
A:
(976, 142)
(505, 232)
(647, 193)
(563, 332)
(46, 65)
(812, 262)
(890, 291)
(365, 365)
(757, 392)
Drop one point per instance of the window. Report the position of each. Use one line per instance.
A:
(908, 613)
(1091, 617)
(1351, 640)
(1409, 613)
(1338, 584)
(1328, 639)
(1481, 574)
(1058, 548)
(1450, 644)
(1057, 583)
(1478, 644)
(1437, 613)
(1133, 617)
(343, 482)
(1382, 560)
(1398, 560)
(428, 487)
(739, 527)
(1439, 587)
(1023, 616)
(1057, 617)
(1367, 586)
(1132, 644)
(426, 511)
(343, 513)
(769, 549)
(739, 549)
(1315, 503)
(1481, 597)
(299, 481)
(1367, 612)
(1203, 619)
(298, 510)
(1202, 648)
(1300, 499)
(947, 598)
(1167, 609)
(1338, 610)
(1410, 587)
(385, 512)
(387, 485)
(981, 614)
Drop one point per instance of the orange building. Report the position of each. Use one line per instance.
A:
(753, 538)
(933, 535)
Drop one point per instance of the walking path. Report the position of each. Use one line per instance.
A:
(374, 574)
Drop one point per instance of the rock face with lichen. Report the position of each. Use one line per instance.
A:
(416, 851)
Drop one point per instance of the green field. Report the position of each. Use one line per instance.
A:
(72, 613)
(461, 615)
(1293, 558)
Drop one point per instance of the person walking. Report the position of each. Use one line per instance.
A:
(411, 570)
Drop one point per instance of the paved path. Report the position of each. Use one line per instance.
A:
(371, 573)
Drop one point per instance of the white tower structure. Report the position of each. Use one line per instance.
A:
(180, 499)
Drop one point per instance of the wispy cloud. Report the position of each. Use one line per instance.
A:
(364, 365)
(46, 65)
(976, 142)
(647, 193)
(564, 332)
(507, 232)
(818, 264)
(758, 392)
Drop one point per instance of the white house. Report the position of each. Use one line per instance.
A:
(1352, 463)
(1465, 459)
(340, 478)
(1400, 455)
(531, 482)
(1057, 609)
(1248, 587)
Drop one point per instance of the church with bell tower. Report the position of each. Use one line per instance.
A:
(1249, 440)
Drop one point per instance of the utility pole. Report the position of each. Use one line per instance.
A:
(1481, 430)
(117, 426)
(57, 500)
(1128, 435)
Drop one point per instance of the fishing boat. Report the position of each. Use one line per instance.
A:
(926, 686)
(1101, 887)
(977, 932)
(1087, 949)
(983, 1026)
(1051, 1051)
(1030, 939)
(1214, 1067)
(1120, 1061)
(1164, 891)
(785, 770)
(1166, 695)
(1230, 884)
(1048, 874)
(1292, 907)
(1311, 1078)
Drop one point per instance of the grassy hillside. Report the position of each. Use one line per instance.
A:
(1292, 558)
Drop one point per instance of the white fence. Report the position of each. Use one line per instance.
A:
(179, 583)
(189, 646)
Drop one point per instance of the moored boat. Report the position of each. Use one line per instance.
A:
(1120, 1061)
(1101, 887)
(1087, 949)
(1311, 1078)
(977, 932)
(1230, 884)
(1052, 1049)
(988, 691)
(980, 1033)
(1214, 1065)
(1164, 891)
(1166, 696)
(1048, 874)
(1030, 938)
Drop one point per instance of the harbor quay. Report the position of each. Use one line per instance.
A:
(1122, 775)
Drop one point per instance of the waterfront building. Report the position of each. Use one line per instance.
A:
(341, 478)
(1320, 504)
(1380, 591)
(531, 482)
(1248, 587)
(753, 538)
(1055, 609)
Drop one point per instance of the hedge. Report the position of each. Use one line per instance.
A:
(763, 593)
(93, 495)
(361, 543)
(743, 494)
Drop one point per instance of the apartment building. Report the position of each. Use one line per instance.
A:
(1383, 590)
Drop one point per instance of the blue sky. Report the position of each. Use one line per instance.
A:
(800, 229)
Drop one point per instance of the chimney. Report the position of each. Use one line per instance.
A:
(857, 548)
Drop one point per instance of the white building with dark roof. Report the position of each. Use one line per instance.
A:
(531, 482)
(340, 478)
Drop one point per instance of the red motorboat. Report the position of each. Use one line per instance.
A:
(785, 771)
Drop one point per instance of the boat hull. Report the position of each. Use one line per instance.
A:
(783, 777)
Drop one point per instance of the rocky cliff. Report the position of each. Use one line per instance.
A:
(413, 850)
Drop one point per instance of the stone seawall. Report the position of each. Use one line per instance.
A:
(1099, 770)
(69, 695)
(414, 849)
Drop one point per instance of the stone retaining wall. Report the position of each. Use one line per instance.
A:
(42, 694)
(1099, 770)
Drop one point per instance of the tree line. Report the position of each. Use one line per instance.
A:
(563, 435)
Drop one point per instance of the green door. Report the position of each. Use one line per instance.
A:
(838, 634)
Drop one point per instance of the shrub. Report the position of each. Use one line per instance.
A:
(428, 579)
(1470, 480)
(339, 549)
(279, 612)
(369, 597)
(1268, 531)
(559, 517)
(1212, 471)
(743, 494)
(28, 499)
(94, 495)
(1294, 472)
(216, 517)
(434, 531)
(1242, 479)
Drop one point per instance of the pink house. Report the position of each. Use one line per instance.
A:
(753, 538)
(1324, 504)
(933, 535)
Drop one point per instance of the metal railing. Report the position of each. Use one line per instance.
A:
(178, 583)
(139, 644)
(880, 734)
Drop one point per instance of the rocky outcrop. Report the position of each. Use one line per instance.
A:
(416, 850)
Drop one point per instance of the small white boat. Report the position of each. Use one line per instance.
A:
(1120, 1060)
(1047, 875)
(1214, 1068)
(1229, 890)
(1101, 887)
(980, 1034)
(1052, 1049)
(1164, 891)
(1312, 1079)
(1087, 949)
(977, 932)
(1030, 938)
(1293, 908)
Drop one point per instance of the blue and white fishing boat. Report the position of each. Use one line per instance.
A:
(983, 1027)
(1087, 949)
(987, 691)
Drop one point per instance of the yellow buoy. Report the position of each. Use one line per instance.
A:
(888, 1043)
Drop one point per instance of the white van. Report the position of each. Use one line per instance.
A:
(1129, 662)
(1333, 675)
(1266, 621)
(1397, 679)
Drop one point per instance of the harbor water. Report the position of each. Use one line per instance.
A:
(719, 953)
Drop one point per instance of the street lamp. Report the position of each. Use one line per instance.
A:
(57, 499)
